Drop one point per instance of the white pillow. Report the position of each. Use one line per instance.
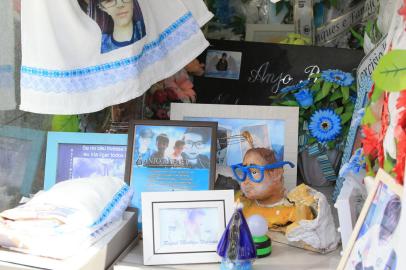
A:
(86, 202)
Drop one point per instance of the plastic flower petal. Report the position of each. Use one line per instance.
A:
(402, 11)
(400, 134)
(370, 142)
(304, 97)
(399, 169)
(401, 103)
(298, 86)
(325, 125)
(337, 76)
(385, 121)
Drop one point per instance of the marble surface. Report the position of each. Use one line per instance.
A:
(283, 257)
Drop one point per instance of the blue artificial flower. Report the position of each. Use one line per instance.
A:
(291, 88)
(325, 125)
(304, 97)
(355, 165)
(337, 76)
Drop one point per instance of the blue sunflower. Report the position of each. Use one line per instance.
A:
(325, 125)
(298, 86)
(337, 76)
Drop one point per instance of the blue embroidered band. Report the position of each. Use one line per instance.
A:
(117, 201)
(86, 79)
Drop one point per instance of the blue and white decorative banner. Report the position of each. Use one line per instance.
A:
(72, 66)
(343, 23)
(364, 85)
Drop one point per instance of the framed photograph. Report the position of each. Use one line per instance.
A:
(170, 156)
(184, 227)
(223, 64)
(243, 127)
(20, 155)
(270, 33)
(73, 155)
(373, 243)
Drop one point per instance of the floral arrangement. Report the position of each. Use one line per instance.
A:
(177, 88)
(326, 103)
(384, 122)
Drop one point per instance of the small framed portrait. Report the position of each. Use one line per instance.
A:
(241, 128)
(170, 156)
(270, 33)
(223, 64)
(184, 226)
(73, 155)
(20, 154)
(374, 243)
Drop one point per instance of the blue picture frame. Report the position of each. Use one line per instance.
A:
(75, 140)
(36, 138)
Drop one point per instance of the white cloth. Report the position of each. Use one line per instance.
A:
(396, 38)
(320, 232)
(87, 202)
(7, 59)
(63, 69)
(70, 216)
(49, 238)
(385, 15)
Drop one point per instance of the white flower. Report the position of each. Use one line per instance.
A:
(389, 143)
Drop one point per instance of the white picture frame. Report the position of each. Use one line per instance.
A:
(271, 33)
(289, 116)
(383, 200)
(170, 234)
(347, 206)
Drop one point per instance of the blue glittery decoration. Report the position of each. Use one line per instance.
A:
(364, 86)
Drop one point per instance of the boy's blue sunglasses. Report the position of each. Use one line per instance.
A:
(256, 172)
